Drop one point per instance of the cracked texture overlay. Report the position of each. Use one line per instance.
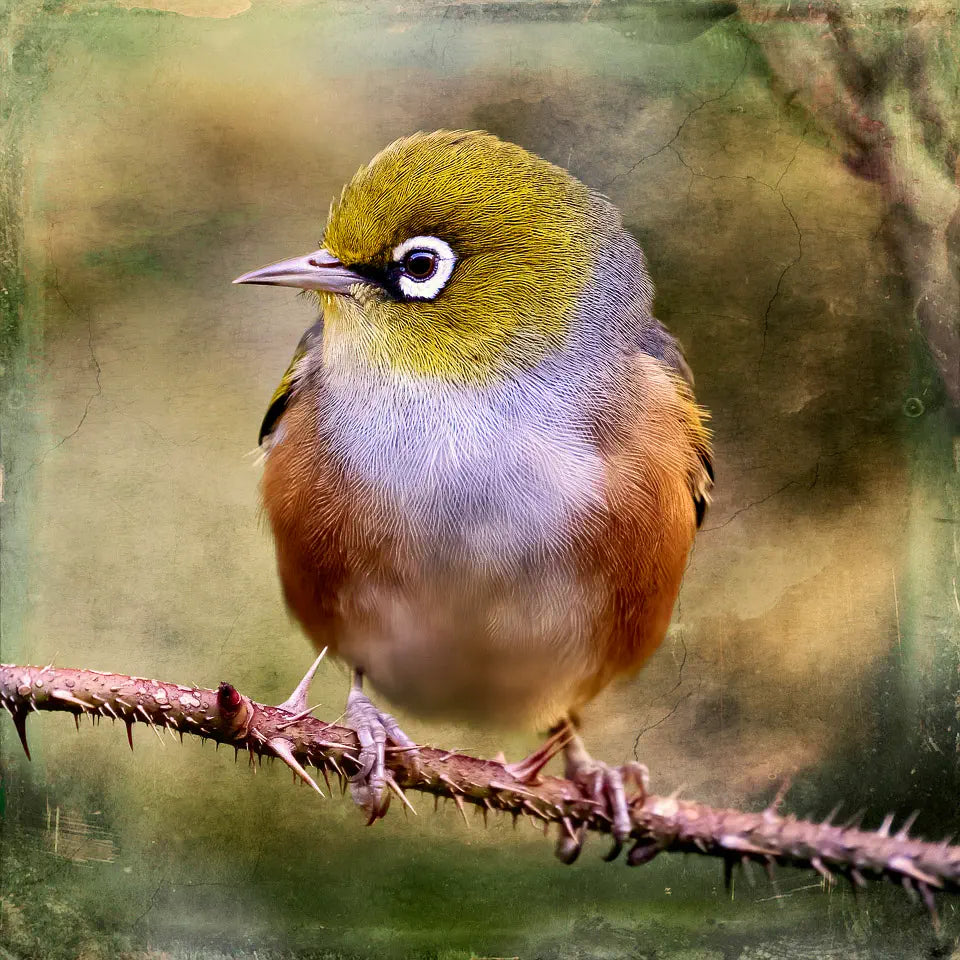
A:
(791, 176)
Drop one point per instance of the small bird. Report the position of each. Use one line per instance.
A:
(485, 466)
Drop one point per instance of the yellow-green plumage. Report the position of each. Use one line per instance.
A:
(520, 227)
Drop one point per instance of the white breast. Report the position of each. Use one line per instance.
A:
(490, 617)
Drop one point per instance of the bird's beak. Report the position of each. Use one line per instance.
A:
(319, 270)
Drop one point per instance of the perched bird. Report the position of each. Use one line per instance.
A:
(485, 466)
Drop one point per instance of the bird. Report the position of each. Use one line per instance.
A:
(485, 465)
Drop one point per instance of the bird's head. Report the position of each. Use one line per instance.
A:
(451, 254)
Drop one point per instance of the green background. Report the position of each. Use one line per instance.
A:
(151, 155)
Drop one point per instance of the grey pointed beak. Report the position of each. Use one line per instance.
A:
(319, 270)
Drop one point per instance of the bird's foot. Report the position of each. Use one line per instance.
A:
(605, 786)
(371, 785)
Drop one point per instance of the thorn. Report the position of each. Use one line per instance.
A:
(817, 865)
(67, 698)
(445, 779)
(854, 821)
(777, 802)
(283, 749)
(903, 865)
(884, 830)
(907, 885)
(728, 862)
(108, 708)
(395, 787)
(436, 802)
(336, 766)
(129, 725)
(76, 720)
(20, 722)
(747, 865)
(326, 779)
(297, 701)
(829, 818)
(568, 827)
(931, 905)
(459, 801)
(904, 832)
(516, 816)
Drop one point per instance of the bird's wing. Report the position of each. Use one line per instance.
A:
(289, 382)
(659, 343)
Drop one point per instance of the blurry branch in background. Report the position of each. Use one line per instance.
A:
(881, 80)
(661, 824)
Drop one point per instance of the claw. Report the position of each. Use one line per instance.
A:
(605, 786)
(569, 845)
(369, 784)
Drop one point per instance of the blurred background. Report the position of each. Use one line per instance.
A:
(791, 172)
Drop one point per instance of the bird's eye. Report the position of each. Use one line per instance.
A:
(420, 264)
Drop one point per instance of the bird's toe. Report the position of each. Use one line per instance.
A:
(378, 733)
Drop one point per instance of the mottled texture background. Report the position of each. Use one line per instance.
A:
(152, 152)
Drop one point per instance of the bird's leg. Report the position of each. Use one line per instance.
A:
(528, 769)
(606, 786)
(369, 784)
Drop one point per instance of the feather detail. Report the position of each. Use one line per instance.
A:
(288, 384)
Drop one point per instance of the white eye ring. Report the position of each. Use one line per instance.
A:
(428, 287)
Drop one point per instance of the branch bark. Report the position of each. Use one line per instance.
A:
(659, 823)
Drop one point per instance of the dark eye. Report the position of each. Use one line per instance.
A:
(420, 264)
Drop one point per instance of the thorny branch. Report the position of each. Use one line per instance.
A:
(659, 823)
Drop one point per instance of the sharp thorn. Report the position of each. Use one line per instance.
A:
(395, 787)
(854, 821)
(326, 779)
(459, 801)
(907, 885)
(817, 865)
(76, 720)
(65, 697)
(832, 814)
(443, 777)
(20, 722)
(129, 726)
(884, 830)
(297, 701)
(930, 904)
(904, 832)
(284, 750)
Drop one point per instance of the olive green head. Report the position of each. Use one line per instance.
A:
(451, 254)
